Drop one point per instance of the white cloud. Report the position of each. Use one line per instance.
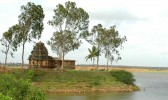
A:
(144, 22)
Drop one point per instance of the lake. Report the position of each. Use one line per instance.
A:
(154, 86)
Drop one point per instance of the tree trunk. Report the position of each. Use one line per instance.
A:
(97, 62)
(98, 58)
(62, 67)
(23, 55)
(6, 56)
(107, 63)
(93, 64)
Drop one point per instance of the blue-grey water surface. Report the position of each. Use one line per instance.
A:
(154, 86)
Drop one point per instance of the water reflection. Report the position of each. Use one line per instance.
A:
(154, 86)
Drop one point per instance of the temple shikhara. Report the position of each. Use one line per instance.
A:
(39, 58)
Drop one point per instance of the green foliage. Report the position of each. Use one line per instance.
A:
(3, 97)
(110, 42)
(35, 94)
(107, 41)
(30, 74)
(94, 38)
(56, 80)
(18, 89)
(30, 22)
(12, 87)
(74, 79)
(8, 41)
(123, 76)
(93, 53)
(30, 25)
(71, 24)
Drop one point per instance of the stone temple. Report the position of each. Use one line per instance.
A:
(39, 58)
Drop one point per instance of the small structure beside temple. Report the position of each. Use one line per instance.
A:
(39, 58)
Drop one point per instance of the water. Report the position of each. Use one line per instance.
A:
(154, 86)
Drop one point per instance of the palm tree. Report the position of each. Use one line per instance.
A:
(92, 54)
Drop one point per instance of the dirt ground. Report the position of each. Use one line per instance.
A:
(130, 69)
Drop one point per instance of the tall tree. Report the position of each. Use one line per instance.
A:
(94, 52)
(94, 38)
(71, 24)
(111, 42)
(30, 25)
(8, 41)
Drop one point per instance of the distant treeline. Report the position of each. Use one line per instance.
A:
(13, 64)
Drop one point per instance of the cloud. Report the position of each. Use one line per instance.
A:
(114, 16)
(143, 22)
(6, 2)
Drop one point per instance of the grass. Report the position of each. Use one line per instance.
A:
(55, 81)
(79, 81)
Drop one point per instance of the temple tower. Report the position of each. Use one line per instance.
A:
(39, 57)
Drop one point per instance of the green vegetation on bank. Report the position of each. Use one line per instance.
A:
(56, 81)
(14, 85)
(5, 97)
(123, 76)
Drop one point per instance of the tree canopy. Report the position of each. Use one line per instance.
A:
(107, 41)
(94, 52)
(8, 41)
(30, 24)
(71, 24)
(111, 42)
(94, 38)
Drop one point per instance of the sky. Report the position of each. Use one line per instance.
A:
(143, 22)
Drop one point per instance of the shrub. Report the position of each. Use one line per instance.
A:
(12, 87)
(3, 97)
(18, 89)
(35, 94)
(123, 76)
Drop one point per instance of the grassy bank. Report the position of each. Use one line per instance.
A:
(73, 81)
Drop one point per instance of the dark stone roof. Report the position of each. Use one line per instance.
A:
(39, 52)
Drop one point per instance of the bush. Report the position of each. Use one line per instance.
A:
(18, 89)
(3, 97)
(12, 87)
(123, 76)
(35, 94)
